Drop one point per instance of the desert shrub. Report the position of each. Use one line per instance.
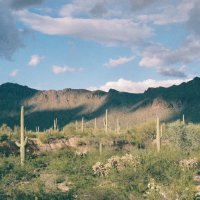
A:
(69, 129)
(16, 133)
(119, 143)
(23, 195)
(60, 179)
(3, 138)
(142, 134)
(185, 137)
(193, 136)
(108, 193)
(5, 150)
(39, 162)
(5, 168)
(26, 173)
(163, 170)
(115, 162)
(45, 137)
(4, 129)
(30, 134)
(188, 164)
(131, 180)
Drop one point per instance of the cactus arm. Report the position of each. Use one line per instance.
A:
(25, 141)
(104, 122)
(22, 141)
(18, 144)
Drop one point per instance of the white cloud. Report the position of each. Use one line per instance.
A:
(14, 73)
(66, 69)
(170, 14)
(104, 8)
(163, 61)
(170, 62)
(119, 61)
(106, 31)
(150, 62)
(35, 60)
(137, 87)
(194, 19)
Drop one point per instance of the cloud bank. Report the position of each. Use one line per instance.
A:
(11, 38)
(106, 31)
(137, 87)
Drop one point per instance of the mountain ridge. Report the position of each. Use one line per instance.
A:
(68, 105)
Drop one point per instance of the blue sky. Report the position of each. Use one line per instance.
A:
(127, 45)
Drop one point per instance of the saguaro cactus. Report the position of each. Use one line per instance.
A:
(95, 125)
(158, 139)
(76, 125)
(23, 142)
(183, 119)
(82, 125)
(55, 124)
(106, 121)
(117, 126)
(161, 130)
(100, 147)
(37, 129)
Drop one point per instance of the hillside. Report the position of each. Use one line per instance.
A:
(69, 105)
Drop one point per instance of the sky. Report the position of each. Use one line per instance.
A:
(127, 45)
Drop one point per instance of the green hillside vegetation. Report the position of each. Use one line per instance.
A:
(118, 164)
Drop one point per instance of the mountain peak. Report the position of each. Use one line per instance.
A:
(9, 85)
(196, 80)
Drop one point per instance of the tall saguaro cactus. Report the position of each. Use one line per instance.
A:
(100, 147)
(82, 125)
(95, 125)
(183, 119)
(55, 124)
(161, 130)
(158, 139)
(106, 121)
(23, 141)
(76, 125)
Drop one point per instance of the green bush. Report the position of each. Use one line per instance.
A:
(3, 138)
(101, 194)
(5, 168)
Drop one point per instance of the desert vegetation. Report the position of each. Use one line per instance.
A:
(153, 160)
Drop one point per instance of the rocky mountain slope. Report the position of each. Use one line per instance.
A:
(68, 105)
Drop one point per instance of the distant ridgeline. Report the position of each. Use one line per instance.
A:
(69, 105)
